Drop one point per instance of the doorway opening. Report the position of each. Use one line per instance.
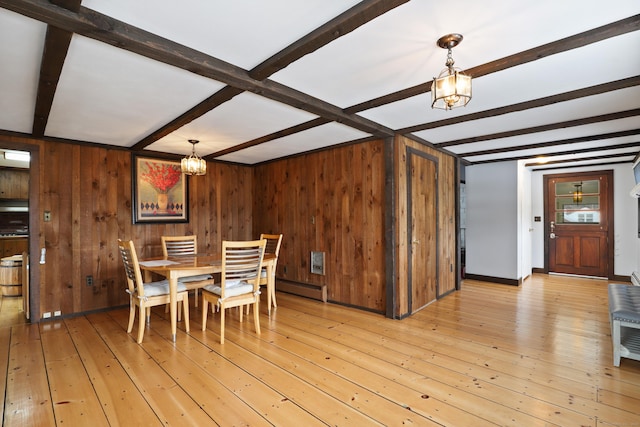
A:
(19, 204)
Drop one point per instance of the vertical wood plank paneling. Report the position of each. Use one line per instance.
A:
(343, 189)
(446, 276)
(88, 191)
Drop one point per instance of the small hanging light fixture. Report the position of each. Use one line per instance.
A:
(193, 165)
(452, 88)
(577, 194)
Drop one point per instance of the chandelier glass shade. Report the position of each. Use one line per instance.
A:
(452, 88)
(193, 164)
(577, 194)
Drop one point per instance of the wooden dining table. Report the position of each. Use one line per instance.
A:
(175, 267)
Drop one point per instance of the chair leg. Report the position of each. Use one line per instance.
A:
(195, 295)
(185, 305)
(141, 324)
(204, 313)
(256, 316)
(222, 310)
(132, 316)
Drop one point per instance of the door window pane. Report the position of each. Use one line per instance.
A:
(577, 202)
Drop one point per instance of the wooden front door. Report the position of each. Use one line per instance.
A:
(422, 236)
(579, 227)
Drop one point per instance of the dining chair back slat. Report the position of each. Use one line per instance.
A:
(239, 281)
(184, 246)
(179, 245)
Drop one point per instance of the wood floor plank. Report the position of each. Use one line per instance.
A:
(172, 405)
(484, 399)
(28, 398)
(119, 398)
(489, 354)
(5, 340)
(333, 401)
(74, 398)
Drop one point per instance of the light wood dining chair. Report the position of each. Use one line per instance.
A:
(146, 295)
(239, 281)
(185, 246)
(273, 247)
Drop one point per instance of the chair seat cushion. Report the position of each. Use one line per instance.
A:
(624, 302)
(232, 289)
(196, 278)
(155, 289)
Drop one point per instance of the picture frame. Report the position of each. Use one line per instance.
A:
(160, 191)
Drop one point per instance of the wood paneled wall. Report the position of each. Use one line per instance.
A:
(14, 184)
(330, 201)
(446, 227)
(88, 192)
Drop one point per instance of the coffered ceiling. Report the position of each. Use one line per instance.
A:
(258, 80)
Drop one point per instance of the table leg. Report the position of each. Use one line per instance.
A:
(173, 305)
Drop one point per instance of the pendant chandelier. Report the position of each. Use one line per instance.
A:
(193, 165)
(577, 194)
(452, 88)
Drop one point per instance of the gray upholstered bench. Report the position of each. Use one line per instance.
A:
(624, 315)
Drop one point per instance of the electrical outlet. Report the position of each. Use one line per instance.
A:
(89, 280)
(57, 313)
(46, 315)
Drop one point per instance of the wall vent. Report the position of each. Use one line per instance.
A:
(317, 263)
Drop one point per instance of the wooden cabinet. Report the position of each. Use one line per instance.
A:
(10, 246)
(14, 184)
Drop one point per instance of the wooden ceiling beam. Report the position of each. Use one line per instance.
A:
(56, 45)
(343, 24)
(103, 28)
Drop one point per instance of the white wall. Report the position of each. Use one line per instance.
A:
(492, 220)
(525, 227)
(627, 244)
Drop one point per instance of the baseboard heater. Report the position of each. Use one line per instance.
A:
(317, 292)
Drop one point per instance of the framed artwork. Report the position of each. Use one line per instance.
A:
(159, 191)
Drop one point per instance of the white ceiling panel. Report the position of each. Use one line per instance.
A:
(311, 139)
(398, 50)
(242, 32)
(245, 117)
(111, 96)
(620, 100)
(21, 45)
(551, 135)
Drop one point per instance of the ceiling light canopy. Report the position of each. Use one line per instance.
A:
(452, 88)
(193, 165)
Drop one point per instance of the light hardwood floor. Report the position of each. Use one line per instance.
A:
(535, 355)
